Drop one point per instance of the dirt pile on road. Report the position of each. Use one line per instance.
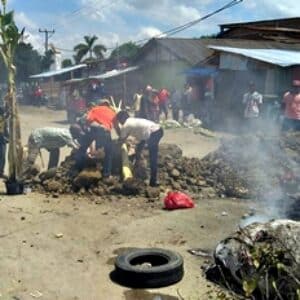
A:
(255, 166)
(247, 166)
(176, 173)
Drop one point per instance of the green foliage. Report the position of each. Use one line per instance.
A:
(10, 36)
(66, 63)
(209, 36)
(27, 61)
(127, 50)
(88, 47)
(47, 60)
(272, 276)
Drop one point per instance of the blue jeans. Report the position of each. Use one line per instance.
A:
(103, 140)
(153, 143)
(290, 124)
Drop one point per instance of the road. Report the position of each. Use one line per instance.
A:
(35, 263)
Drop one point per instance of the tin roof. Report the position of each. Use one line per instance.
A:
(58, 72)
(114, 73)
(283, 58)
(194, 51)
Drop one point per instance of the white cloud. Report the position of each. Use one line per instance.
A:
(118, 21)
(23, 21)
(147, 33)
(270, 9)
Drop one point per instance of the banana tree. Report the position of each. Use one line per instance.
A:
(9, 38)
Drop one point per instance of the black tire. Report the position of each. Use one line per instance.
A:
(166, 269)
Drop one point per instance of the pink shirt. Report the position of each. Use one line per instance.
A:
(292, 106)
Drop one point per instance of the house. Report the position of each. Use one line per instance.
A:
(52, 81)
(271, 66)
(162, 61)
(281, 30)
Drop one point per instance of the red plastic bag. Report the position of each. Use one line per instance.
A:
(175, 200)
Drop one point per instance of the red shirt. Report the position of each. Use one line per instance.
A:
(103, 115)
(78, 105)
(163, 96)
(292, 106)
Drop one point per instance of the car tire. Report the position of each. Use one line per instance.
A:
(166, 268)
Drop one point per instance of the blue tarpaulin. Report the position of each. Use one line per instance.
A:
(201, 71)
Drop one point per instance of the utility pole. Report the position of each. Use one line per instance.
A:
(118, 56)
(46, 32)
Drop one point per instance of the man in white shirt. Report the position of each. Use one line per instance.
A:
(145, 131)
(253, 102)
(50, 138)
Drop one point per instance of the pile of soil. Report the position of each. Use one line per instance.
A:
(247, 166)
(255, 166)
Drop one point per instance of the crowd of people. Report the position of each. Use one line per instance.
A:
(151, 103)
(290, 108)
(101, 117)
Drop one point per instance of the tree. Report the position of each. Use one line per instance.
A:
(47, 60)
(9, 38)
(27, 61)
(127, 51)
(89, 48)
(66, 63)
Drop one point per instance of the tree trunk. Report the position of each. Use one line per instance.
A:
(15, 147)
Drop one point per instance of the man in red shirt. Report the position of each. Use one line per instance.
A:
(101, 120)
(163, 97)
(291, 104)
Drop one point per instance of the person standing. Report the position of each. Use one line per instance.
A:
(291, 105)
(187, 101)
(252, 101)
(152, 105)
(176, 99)
(163, 97)
(3, 140)
(137, 103)
(38, 94)
(146, 132)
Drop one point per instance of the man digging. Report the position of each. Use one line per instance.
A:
(49, 138)
(146, 132)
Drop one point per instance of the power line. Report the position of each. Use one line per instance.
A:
(185, 26)
(79, 11)
(182, 27)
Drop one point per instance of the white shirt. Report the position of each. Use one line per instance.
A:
(138, 128)
(50, 137)
(252, 101)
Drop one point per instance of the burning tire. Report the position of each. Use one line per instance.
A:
(148, 268)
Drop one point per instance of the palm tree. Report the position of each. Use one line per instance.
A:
(88, 47)
(98, 51)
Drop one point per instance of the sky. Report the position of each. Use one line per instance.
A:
(117, 21)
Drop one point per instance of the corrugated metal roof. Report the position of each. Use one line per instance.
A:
(283, 58)
(195, 51)
(58, 72)
(114, 73)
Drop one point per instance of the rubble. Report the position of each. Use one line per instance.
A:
(243, 167)
(260, 261)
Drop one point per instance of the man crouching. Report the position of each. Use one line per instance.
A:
(144, 131)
